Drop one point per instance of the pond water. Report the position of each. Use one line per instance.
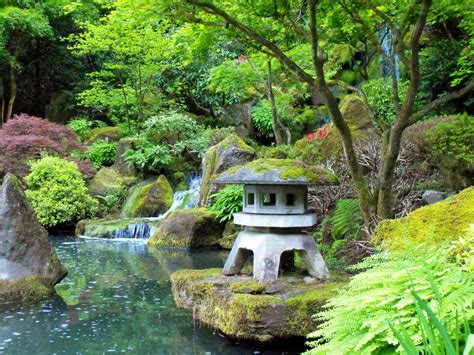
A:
(117, 298)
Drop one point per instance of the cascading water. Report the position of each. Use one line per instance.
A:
(386, 42)
(143, 228)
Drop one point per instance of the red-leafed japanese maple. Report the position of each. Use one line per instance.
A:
(25, 138)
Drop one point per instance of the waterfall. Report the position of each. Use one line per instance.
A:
(188, 198)
(386, 41)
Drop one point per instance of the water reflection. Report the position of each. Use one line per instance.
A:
(116, 298)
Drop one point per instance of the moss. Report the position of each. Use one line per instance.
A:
(106, 180)
(355, 112)
(432, 225)
(111, 134)
(147, 200)
(209, 165)
(106, 228)
(234, 141)
(288, 169)
(251, 287)
(25, 290)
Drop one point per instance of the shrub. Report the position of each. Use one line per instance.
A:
(227, 201)
(358, 319)
(166, 136)
(262, 119)
(82, 126)
(112, 201)
(24, 138)
(451, 145)
(102, 153)
(57, 192)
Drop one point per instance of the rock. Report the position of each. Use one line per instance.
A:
(242, 308)
(148, 199)
(434, 224)
(110, 134)
(355, 112)
(131, 228)
(195, 227)
(229, 235)
(230, 152)
(240, 116)
(105, 181)
(29, 266)
(432, 196)
(120, 165)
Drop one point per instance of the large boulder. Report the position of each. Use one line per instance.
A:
(239, 116)
(194, 227)
(29, 266)
(148, 199)
(355, 112)
(432, 225)
(109, 134)
(230, 152)
(104, 182)
(120, 165)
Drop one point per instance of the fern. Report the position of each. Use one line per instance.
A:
(357, 320)
(227, 201)
(347, 219)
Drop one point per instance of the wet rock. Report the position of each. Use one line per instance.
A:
(194, 227)
(29, 266)
(244, 309)
(230, 152)
(148, 199)
(432, 196)
(229, 235)
(130, 228)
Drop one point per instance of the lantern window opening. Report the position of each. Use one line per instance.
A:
(290, 199)
(268, 199)
(250, 199)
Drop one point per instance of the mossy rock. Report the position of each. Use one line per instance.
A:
(229, 235)
(120, 165)
(105, 181)
(242, 308)
(276, 153)
(277, 171)
(112, 228)
(232, 151)
(26, 290)
(109, 134)
(432, 225)
(148, 199)
(355, 112)
(196, 227)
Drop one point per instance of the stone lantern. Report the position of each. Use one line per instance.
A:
(274, 215)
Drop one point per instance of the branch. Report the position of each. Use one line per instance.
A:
(469, 87)
(274, 49)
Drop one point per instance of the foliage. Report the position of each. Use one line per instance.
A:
(227, 201)
(462, 250)
(102, 153)
(113, 200)
(25, 137)
(357, 320)
(436, 339)
(169, 135)
(262, 119)
(57, 192)
(451, 145)
(82, 126)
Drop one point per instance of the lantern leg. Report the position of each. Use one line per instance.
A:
(236, 260)
(314, 262)
(265, 265)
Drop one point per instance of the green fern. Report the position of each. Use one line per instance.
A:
(347, 219)
(227, 201)
(357, 320)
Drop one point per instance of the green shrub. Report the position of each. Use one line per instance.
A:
(102, 153)
(227, 201)
(262, 119)
(358, 319)
(112, 201)
(57, 192)
(451, 145)
(82, 126)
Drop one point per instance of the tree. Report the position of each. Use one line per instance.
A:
(20, 29)
(276, 27)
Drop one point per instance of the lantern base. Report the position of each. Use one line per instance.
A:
(267, 249)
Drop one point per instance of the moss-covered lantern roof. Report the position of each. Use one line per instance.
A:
(276, 172)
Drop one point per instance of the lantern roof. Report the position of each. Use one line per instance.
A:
(277, 172)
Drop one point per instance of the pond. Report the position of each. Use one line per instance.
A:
(117, 298)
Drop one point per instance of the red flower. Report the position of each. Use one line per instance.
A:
(310, 136)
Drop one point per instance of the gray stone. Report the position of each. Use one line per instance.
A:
(25, 251)
(432, 196)
(105, 181)
(275, 221)
(240, 116)
(267, 249)
(120, 165)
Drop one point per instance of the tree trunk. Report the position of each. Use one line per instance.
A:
(275, 120)
(13, 92)
(2, 112)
